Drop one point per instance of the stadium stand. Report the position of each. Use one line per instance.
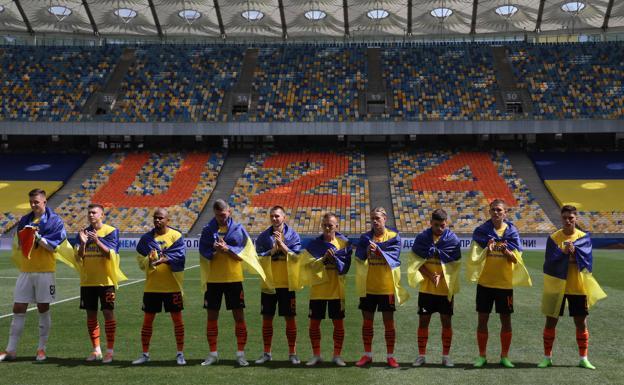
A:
(442, 82)
(51, 83)
(131, 185)
(463, 184)
(26, 172)
(593, 182)
(571, 81)
(304, 83)
(306, 185)
(178, 83)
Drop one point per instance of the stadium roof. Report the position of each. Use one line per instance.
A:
(262, 19)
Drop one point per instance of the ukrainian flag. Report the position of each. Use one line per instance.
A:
(294, 261)
(447, 248)
(175, 253)
(556, 273)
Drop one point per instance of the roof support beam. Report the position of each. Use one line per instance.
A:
(91, 19)
(473, 23)
(155, 15)
(24, 17)
(345, 11)
(283, 19)
(409, 17)
(540, 13)
(219, 18)
(605, 24)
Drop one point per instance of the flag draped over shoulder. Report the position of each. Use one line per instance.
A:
(447, 248)
(238, 241)
(111, 241)
(51, 228)
(478, 252)
(313, 267)
(264, 245)
(556, 273)
(176, 255)
(391, 251)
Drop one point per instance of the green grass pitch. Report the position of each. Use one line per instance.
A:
(69, 343)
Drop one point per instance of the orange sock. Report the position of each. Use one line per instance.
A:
(240, 330)
(94, 331)
(110, 326)
(582, 340)
(267, 334)
(291, 335)
(367, 335)
(447, 337)
(212, 332)
(315, 336)
(339, 334)
(146, 330)
(390, 335)
(482, 339)
(549, 340)
(423, 336)
(178, 329)
(505, 338)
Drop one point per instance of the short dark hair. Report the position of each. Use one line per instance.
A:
(35, 192)
(220, 205)
(569, 209)
(497, 202)
(277, 207)
(94, 206)
(330, 215)
(439, 215)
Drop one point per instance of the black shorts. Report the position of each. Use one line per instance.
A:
(89, 296)
(577, 305)
(153, 302)
(431, 303)
(488, 296)
(282, 297)
(335, 308)
(232, 291)
(379, 302)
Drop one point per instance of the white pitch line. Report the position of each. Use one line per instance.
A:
(77, 297)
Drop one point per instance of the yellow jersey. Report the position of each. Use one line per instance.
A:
(96, 267)
(498, 270)
(379, 279)
(333, 287)
(224, 268)
(41, 259)
(161, 279)
(573, 281)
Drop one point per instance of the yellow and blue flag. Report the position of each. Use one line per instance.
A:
(175, 253)
(556, 273)
(447, 249)
(313, 265)
(264, 245)
(391, 251)
(238, 241)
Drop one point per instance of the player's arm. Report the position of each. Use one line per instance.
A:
(220, 245)
(82, 247)
(511, 257)
(430, 275)
(93, 237)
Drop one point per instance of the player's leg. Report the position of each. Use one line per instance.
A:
(390, 336)
(337, 314)
(212, 303)
(110, 323)
(447, 338)
(423, 336)
(579, 311)
(174, 306)
(152, 304)
(484, 305)
(15, 331)
(89, 302)
(548, 336)
(316, 313)
(235, 301)
(45, 292)
(288, 309)
(504, 307)
(268, 303)
(368, 306)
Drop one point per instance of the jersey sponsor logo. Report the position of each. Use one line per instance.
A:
(52, 289)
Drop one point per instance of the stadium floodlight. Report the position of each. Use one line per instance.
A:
(573, 6)
(125, 14)
(506, 10)
(252, 15)
(441, 13)
(189, 15)
(60, 12)
(315, 15)
(377, 14)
